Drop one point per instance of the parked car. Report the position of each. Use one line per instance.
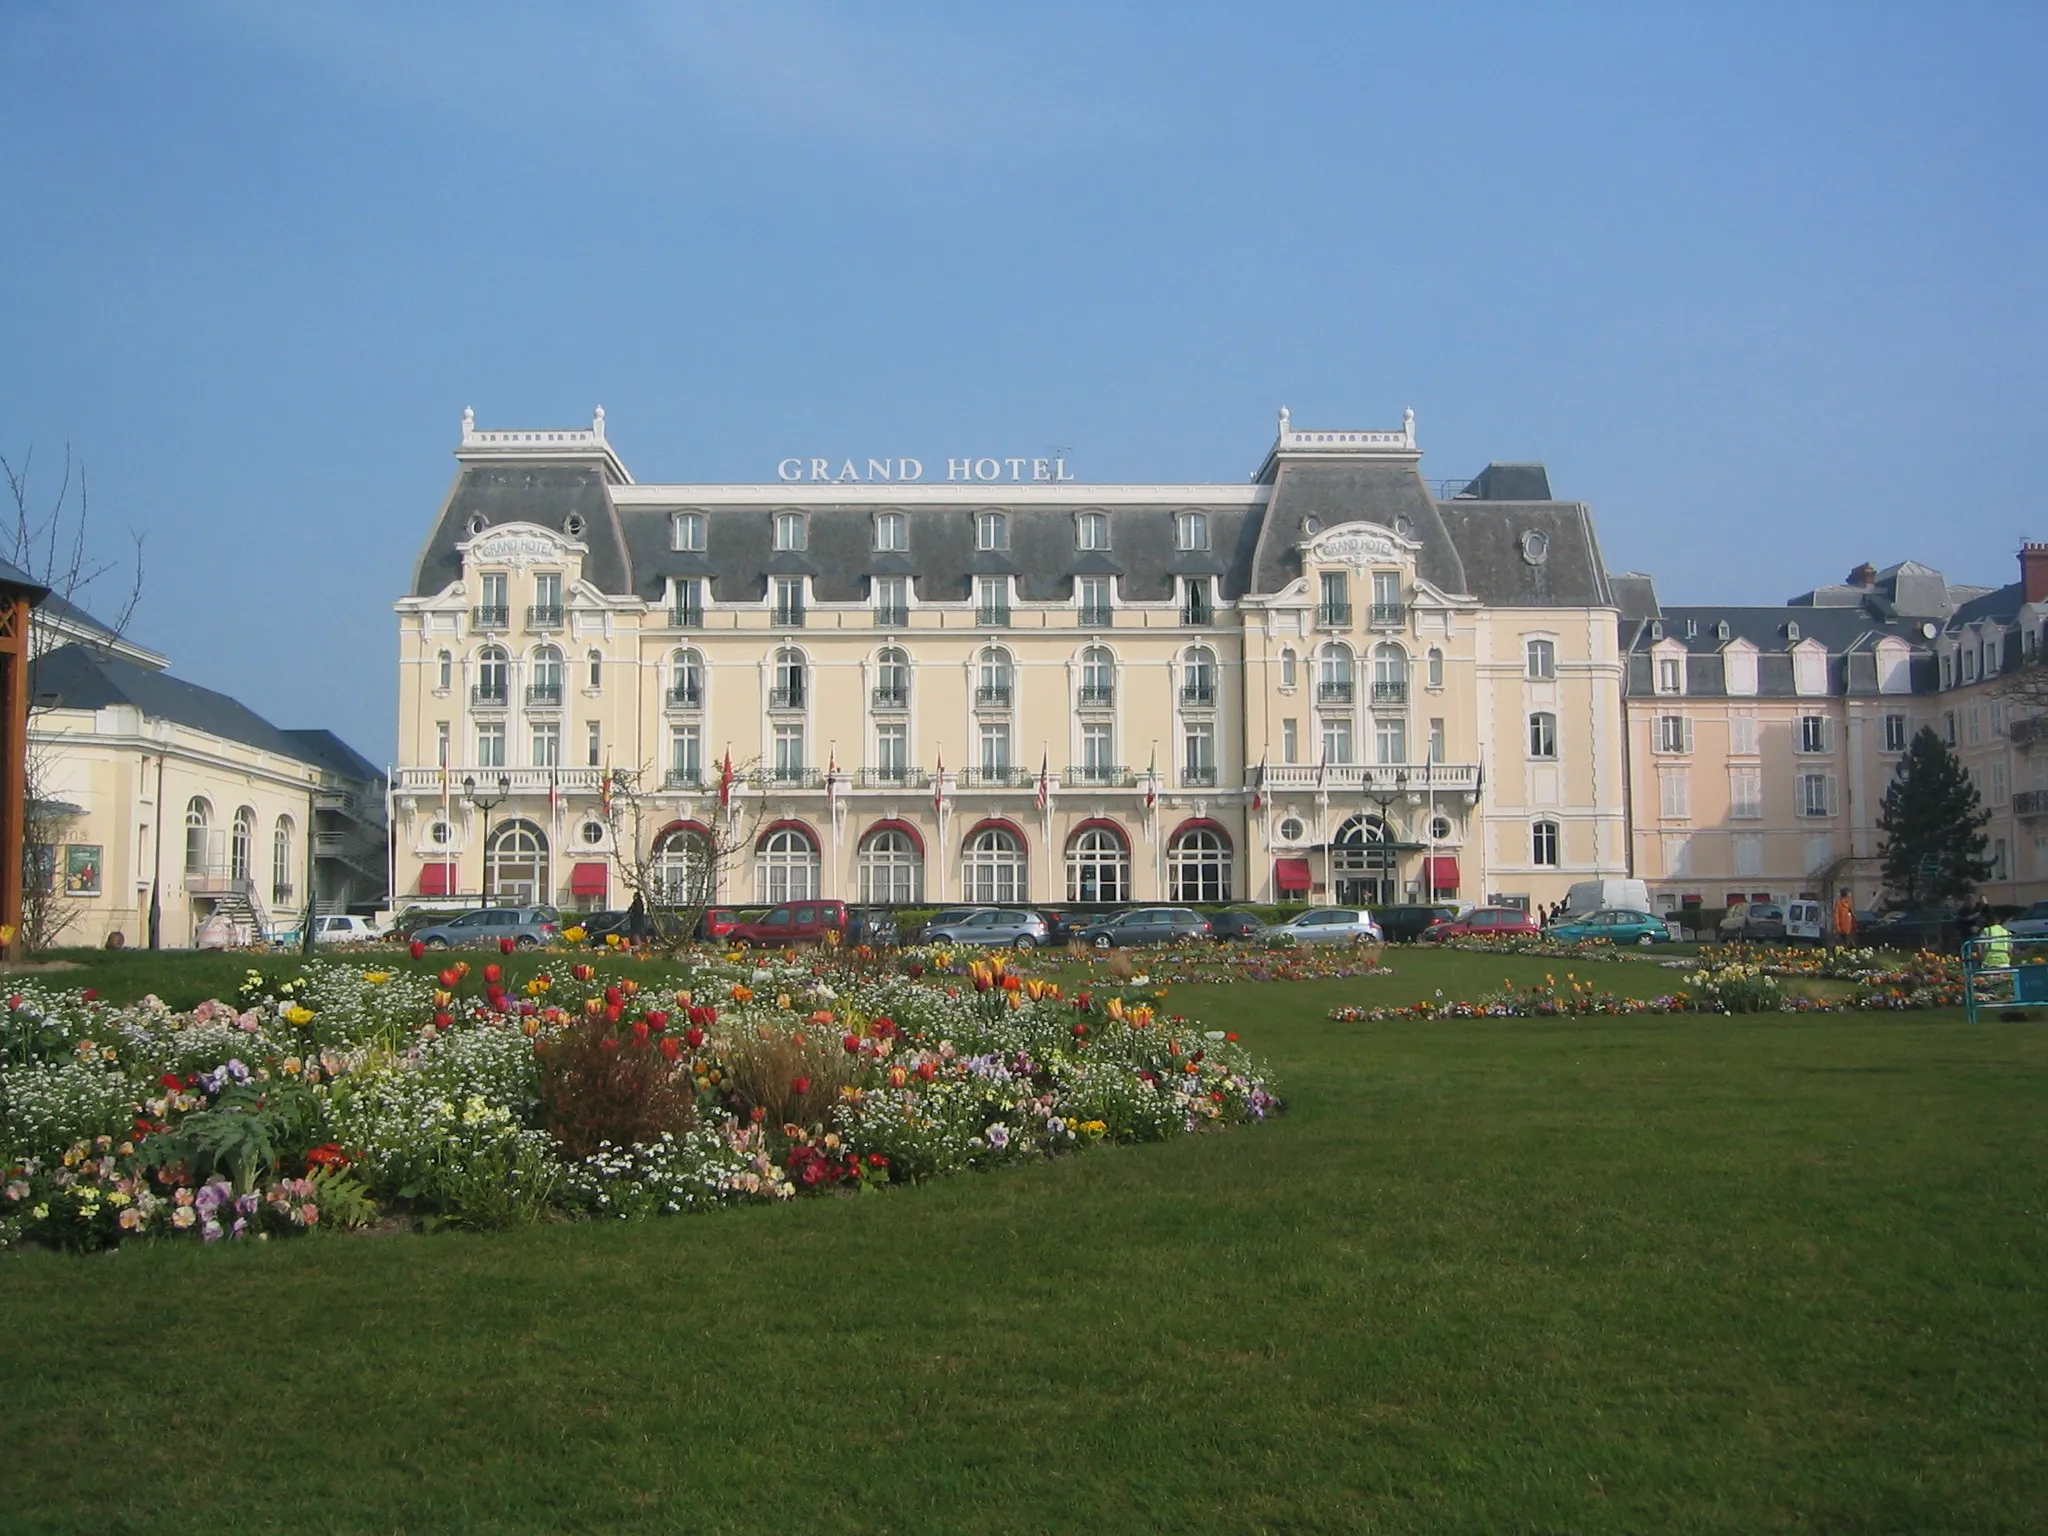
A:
(871, 925)
(717, 923)
(1404, 925)
(526, 927)
(794, 922)
(1754, 920)
(1003, 927)
(339, 929)
(596, 925)
(1059, 927)
(1146, 925)
(1236, 924)
(1908, 930)
(945, 917)
(1614, 924)
(1330, 925)
(1486, 920)
(2030, 924)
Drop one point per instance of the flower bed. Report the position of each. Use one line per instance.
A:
(356, 1093)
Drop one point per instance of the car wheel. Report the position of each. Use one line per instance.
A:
(525, 941)
(1102, 941)
(437, 942)
(1645, 940)
(1025, 941)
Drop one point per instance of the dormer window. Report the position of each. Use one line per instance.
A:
(1091, 531)
(790, 531)
(1191, 531)
(1721, 630)
(890, 533)
(686, 532)
(991, 530)
(1792, 631)
(1671, 674)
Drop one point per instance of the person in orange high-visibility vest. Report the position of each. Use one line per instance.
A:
(1845, 919)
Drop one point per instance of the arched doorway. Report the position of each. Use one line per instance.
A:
(992, 867)
(516, 866)
(1362, 863)
(786, 865)
(891, 867)
(683, 876)
(1198, 864)
(1098, 864)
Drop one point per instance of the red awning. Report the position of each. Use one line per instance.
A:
(437, 879)
(1443, 873)
(1292, 874)
(592, 879)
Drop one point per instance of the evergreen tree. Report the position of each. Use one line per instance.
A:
(1933, 826)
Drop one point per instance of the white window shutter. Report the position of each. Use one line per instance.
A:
(1686, 727)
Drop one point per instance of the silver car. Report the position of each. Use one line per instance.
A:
(526, 927)
(1003, 927)
(1325, 925)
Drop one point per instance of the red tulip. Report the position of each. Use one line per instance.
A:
(494, 974)
(695, 1037)
(760, 1114)
(1081, 1031)
(1230, 1035)
(14, 1001)
(608, 1045)
(419, 949)
(927, 1071)
(639, 1032)
(800, 1085)
(583, 972)
(614, 996)
(92, 994)
(615, 1013)
(451, 978)
(1012, 983)
(852, 1044)
(657, 1019)
(443, 1020)
(670, 1048)
(506, 946)
(981, 981)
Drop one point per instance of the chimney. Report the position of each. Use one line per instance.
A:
(2034, 571)
(1864, 576)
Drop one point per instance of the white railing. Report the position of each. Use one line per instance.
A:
(521, 781)
(1372, 778)
(1391, 442)
(556, 438)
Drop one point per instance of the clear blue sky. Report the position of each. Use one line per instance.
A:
(1764, 285)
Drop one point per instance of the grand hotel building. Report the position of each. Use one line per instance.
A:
(1331, 679)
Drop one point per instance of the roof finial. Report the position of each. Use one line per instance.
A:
(468, 421)
(1408, 425)
(597, 424)
(1286, 422)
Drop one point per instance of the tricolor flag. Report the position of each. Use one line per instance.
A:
(832, 781)
(725, 781)
(939, 786)
(1259, 785)
(1152, 781)
(1323, 769)
(1044, 782)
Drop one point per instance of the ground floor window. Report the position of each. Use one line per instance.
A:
(682, 868)
(1198, 866)
(891, 868)
(516, 865)
(1098, 867)
(787, 866)
(993, 868)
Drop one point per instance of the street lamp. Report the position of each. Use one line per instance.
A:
(486, 804)
(1384, 798)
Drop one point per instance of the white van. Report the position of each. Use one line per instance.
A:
(1592, 895)
(1805, 920)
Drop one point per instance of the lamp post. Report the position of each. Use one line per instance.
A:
(1384, 798)
(486, 804)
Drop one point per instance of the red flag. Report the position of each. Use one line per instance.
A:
(725, 783)
(1152, 781)
(1259, 785)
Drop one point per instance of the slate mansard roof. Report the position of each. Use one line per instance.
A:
(1476, 545)
(1851, 636)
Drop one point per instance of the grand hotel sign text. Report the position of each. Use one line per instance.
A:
(904, 471)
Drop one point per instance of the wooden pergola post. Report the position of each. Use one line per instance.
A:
(19, 593)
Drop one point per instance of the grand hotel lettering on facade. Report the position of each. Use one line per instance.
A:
(1328, 680)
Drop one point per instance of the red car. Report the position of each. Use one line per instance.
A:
(1486, 920)
(719, 922)
(794, 922)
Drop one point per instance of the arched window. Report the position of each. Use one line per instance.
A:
(1198, 676)
(1091, 530)
(789, 690)
(1389, 673)
(997, 676)
(1098, 866)
(281, 864)
(891, 868)
(493, 674)
(1191, 530)
(991, 530)
(686, 679)
(546, 687)
(516, 865)
(1436, 667)
(1287, 668)
(1542, 660)
(992, 868)
(1334, 684)
(789, 530)
(786, 866)
(1543, 844)
(242, 851)
(446, 673)
(1361, 854)
(596, 670)
(892, 676)
(1543, 734)
(1098, 675)
(1198, 866)
(198, 822)
(682, 868)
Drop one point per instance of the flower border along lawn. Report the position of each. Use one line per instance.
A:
(1670, 1273)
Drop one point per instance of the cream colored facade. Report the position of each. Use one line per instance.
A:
(1045, 693)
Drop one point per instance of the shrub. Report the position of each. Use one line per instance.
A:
(598, 1088)
(793, 1078)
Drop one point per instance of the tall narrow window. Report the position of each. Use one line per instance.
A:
(1290, 741)
(790, 533)
(1198, 678)
(890, 534)
(596, 676)
(789, 753)
(547, 599)
(242, 853)
(687, 608)
(1436, 741)
(993, 687)
(1542, 660)
(892, 678)
(685, 757)
(546, 687)
(1198, 754)
(593, 745)
(686, 532)
(1198, 601)
(1387, 607)
(991, 530)
(1436, 667)
(992, 600)
(547, 744)
(198, 826)
(1098, 676)
(788, 690)
(1391, 739)
(1336, 740)
(892, 751)
(789, 600)
(445, 674)
(493, 675)
(686, 681)
(1543, 734)
(281, 864)
(1670, 674)
(1191, 531)
(1334, 606)
(1098, 750)
(495, 611)
(1289, 666)
(1543, 844)
(1334, 686)
(1091, 531)
(490, 745)
(1093, 593)
(442, 757)
(892, 601)
(995, 748)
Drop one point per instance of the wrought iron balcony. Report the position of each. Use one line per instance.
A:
(543, 695)
(788, 616)
(683, 778)
(894, 778)
(684, 696)
(1198, 695)
(993, 696)
(1328, 692)
(491, 616)
(686, 616)
(1198, 775)
(891, 698)
(788, 697)
(2030, 802)
(1390, 693)
(1200, 613)
(1099, 776)
(892, 618)
(1333, 615)
(781, 777)
(2027, 733)
(1387, 615)
(1097, 616)
(996, 617)
(994, 778)
(489, 695)
(1097, 695)
(544, 616)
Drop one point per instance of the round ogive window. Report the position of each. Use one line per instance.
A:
(1291, 829)
(440, 832)
(593, 832)
(1440, 828)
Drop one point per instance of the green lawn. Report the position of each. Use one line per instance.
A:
(1730, 1275)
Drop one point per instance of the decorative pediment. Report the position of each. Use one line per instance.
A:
(520, 545)
(1360, 544)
